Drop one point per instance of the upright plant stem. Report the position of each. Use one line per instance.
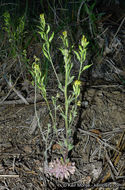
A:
(53, 68)
(37, 114)
(80, 71)
(66, 104)
(50, 113)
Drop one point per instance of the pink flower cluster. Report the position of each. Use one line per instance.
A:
(59, 169)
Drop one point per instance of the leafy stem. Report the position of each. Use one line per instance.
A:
(67, 114)
(47, 41)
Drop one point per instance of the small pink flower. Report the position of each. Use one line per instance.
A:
(59, 169)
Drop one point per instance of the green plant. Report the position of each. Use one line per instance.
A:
(15, 34)
(92, 17)
(68, 114)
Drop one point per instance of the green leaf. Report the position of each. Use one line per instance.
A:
(63, 115)
(69, 99)
(51, 37)
(80, 48)
(48, 29)
(86, 67)
(47, 45)
(45, 53)
(77, 55)
(70, 80)
(87, 9)
(60, 87)
(84, 56)
(41, 34)
(70, 117)
(40, 28)
(67, 44)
